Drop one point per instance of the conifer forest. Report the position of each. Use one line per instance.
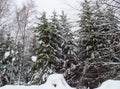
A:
(35, 44)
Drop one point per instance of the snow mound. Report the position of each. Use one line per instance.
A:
(110, 84)
(58, 81)
(54, 81)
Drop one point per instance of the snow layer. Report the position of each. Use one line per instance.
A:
(6, 54)
(34, 58)
(110, 84)
(54, 81)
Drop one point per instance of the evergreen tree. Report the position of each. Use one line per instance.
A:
(67, 45)
(106, 25)
(6, 63)
(113, 34)
(48, 47)
(58, 38)
(86, 30)
(85, 41)
(67, 36)
(95, 44)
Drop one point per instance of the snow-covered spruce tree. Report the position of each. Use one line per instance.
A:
(107, 26)
(48, 38)
(106, 42)
(67, 46)
(114, 34)
(85, 41)
(67, 37)
(86, 25)
(57, 36)
(6, 62)
(95, 44)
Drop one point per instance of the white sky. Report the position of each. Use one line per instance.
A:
(50, 5)
(58, 5)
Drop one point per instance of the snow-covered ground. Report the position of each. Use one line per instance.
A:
(57, 81)
(54, 81)
(110, 84)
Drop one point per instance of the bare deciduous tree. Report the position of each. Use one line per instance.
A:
(4, 11)
(23, 34)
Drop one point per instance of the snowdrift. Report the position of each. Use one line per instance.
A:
(110, 84)
(54, 81)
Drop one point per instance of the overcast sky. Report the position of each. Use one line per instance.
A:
(50, 5)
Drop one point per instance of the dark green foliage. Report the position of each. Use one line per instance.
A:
(95, 36)
(6, 66)
(86, 60)
(49, 40)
